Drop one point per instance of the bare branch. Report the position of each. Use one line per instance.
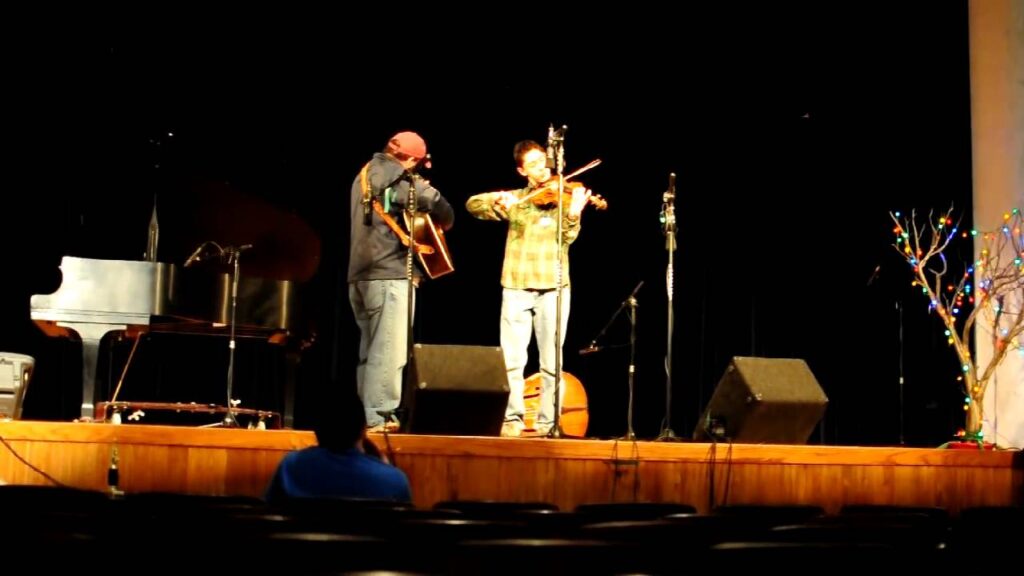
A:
(998, 274)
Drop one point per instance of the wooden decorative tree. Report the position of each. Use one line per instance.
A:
(988, 296)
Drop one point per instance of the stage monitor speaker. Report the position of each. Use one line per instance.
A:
(455, 390)
(763, 401)
(15, 372)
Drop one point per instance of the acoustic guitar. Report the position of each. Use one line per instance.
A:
(431, 248)
(575, 415)
(436, 261)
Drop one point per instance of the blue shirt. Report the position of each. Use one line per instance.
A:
(316, 472)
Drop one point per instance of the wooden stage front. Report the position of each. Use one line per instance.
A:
(563, 472)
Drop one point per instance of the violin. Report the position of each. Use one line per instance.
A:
(546, 194)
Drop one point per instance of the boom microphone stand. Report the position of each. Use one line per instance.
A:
(631, 302)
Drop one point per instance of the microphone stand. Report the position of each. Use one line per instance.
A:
(556, 141)
(234, 255)
(899, 314)
(410, 209)
(668, 217)
(631, 302)
(630, 435)
(593, 347)
(901, 379)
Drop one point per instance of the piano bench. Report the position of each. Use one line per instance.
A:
(186, 414)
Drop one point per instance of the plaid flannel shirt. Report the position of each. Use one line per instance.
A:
(531, 248)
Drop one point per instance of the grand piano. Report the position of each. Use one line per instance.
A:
(97, 297)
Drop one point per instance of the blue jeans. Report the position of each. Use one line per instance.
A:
(526, 313)
(380, 308)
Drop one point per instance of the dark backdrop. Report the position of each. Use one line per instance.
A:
(793, 133)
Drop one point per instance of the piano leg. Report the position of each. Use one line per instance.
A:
(90, 354)
(90, 335)
(292, 359)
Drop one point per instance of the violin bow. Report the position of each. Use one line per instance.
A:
(592, 164)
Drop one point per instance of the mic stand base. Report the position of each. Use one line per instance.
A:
(667, 435)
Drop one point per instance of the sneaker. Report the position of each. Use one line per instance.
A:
(539, 432)
(511, 429)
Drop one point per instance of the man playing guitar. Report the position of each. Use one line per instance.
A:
(377, 280)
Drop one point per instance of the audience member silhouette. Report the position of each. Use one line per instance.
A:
(338, 466)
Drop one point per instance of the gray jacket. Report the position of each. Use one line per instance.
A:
(375, 252)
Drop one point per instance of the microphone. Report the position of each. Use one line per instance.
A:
(551, 146)
(196, 256)
(590, 349)
(635, 290)
(874, 275)
(232, 252)
(555, 137)
(668, 213)
(233, 249)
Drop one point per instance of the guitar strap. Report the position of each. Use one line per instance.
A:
(369, 198)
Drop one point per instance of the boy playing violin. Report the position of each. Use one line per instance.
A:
(529, 278)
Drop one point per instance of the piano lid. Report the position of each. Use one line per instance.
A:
(106, 292)
(95, 289)
(137, 293)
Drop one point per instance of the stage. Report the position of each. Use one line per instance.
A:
(565, 472)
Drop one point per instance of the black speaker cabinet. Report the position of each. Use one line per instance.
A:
(455, 390)
(763, 400)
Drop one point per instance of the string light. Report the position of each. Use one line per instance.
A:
(994, 261)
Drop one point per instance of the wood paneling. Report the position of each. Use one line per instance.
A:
(563, 472)
(151, 458)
